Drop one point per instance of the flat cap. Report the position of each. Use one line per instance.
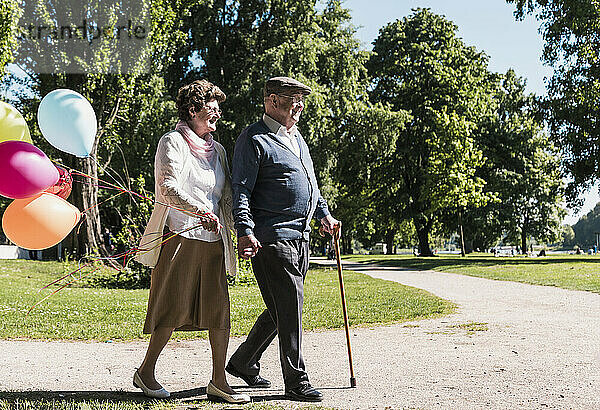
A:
(285, 85)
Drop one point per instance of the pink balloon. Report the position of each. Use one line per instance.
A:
(24, 170)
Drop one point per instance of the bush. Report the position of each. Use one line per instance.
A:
(133, 276)
(137, 276)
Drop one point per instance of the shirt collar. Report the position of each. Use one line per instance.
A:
(278, 129)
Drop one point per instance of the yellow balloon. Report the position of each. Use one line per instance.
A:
(12, 124)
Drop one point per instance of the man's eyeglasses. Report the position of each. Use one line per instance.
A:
(213, 110)
(295, 98)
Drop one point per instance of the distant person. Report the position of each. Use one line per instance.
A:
(108, 240)
(188, 288)
(331, 253)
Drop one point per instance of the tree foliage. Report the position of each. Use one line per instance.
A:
(238, 45)
(404, 139)
(420, 66)
(132, 109)
(521, 170)
(571, 31)
(586, 228)
(9, 16)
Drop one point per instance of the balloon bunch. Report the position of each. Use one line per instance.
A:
(40, 217)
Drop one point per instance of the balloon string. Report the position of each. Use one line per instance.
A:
(165, 238)
(66, 276)
(106, 200)
(125, 255)
(160, 240)
(105, 170)
(61, 288)
(205, 215)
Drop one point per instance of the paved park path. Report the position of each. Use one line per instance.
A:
(541, 349)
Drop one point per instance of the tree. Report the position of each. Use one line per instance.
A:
(567, 236)
(521, 170)
(9, 16)
(586, 228)
(132, 108)
(365, 144)
(420, 66)
(572, 40)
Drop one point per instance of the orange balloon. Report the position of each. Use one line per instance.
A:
(39, 222)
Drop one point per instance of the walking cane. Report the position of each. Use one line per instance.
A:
(336, 244)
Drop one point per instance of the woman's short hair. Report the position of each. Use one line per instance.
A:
(196, 95)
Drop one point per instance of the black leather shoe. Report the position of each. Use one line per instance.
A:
(252, 381)
(304, 392)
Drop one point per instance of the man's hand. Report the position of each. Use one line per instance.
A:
(211, 223)
(248, 246)
(331, 225)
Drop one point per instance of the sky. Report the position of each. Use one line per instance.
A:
(488, 25)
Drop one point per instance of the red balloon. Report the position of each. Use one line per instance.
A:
(64, 185)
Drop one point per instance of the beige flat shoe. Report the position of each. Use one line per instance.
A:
(155, 394)
(214, 394)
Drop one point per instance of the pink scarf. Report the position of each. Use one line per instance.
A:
(200, 147)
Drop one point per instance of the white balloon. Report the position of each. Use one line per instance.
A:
(68, 121)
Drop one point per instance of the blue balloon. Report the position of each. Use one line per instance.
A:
(67, 120)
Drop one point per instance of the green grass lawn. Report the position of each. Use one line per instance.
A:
(81, 313)
(15, 403)
(576, 272)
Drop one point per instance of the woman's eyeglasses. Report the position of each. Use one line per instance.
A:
(213, 110)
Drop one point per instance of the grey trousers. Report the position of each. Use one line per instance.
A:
(280, 268)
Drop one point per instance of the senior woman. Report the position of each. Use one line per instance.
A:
(188, 288)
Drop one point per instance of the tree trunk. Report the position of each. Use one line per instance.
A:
(523, 241)
(346, 244)
(389, 241)
(88, 236)
(469, 246)
(423, 227)
(462, 235)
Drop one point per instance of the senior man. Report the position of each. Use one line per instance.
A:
(275, 196)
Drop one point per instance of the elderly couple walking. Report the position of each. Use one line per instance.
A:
(270, 199)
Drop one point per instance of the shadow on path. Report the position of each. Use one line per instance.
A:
(42, 399)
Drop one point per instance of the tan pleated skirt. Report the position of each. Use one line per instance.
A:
(188, 287)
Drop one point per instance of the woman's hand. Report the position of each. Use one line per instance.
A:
(210, 222)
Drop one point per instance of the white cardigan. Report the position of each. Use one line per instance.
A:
(171, 168)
